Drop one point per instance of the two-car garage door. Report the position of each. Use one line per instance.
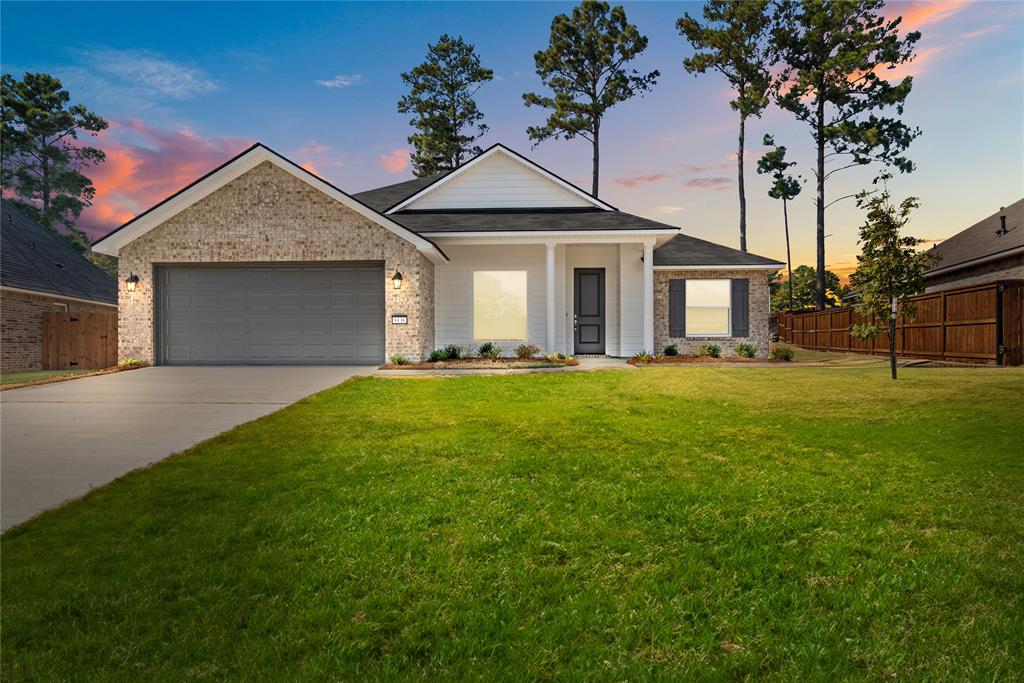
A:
(270, 314)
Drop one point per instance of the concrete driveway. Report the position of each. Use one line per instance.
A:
(59, 440)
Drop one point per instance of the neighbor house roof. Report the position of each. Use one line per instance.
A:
(683, 250)
(34, 259)
(983, 241)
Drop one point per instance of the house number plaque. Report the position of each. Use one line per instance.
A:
(399, 320)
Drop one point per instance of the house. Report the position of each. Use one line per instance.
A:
(991, 249)
(261, 261)
(40, 272)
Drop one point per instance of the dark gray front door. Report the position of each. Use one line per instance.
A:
(588, 313)
(270, 314)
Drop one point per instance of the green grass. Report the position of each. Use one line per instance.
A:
(35, 376)
(666, 523)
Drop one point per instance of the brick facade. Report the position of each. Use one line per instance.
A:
(21, 326)
(1010, 268)
(759, 311)
(269, 215)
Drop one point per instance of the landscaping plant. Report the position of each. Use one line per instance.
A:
(746, 350)
(398, 359)
(712, 350)
(671, 350)
(781, 353)
(642, 357)
(527, 351)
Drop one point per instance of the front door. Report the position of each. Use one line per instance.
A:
(588, 314)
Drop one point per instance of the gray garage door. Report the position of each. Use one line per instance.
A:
(270, 314)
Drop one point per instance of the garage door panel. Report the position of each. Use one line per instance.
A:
(271, 314)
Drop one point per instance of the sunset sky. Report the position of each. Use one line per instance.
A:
(186, 86)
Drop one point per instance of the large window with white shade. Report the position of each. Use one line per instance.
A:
(499, 305)
(707, 308)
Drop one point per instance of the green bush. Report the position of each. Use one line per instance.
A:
(671, 350)
(455, 352)
(485, 349)
(398, 359)
(492, 352)
(782, 353)
(131, 363)
(746, 350)
(642, 357)
(713, 350)
(527, 351)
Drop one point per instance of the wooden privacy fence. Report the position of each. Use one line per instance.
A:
(979, 324)
(79, 341)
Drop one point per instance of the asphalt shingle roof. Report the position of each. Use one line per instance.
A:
(982, 239)
(683, 250)
(383, 198)
(35, 259)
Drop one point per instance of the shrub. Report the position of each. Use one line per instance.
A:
(746, 350)
(713, 350)
(527, 350)
(131, 363)
(398, 359)
(486, 349)
(671, 350)
(455, 352)
(557, 358)
(492, 352)
(438, 355)
(642, 357)
(782, 353)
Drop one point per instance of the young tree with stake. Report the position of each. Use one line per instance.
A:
(735, 42)
(785, 187)
(584, 65)
(890, 269)
(440, 97)
(836, 53)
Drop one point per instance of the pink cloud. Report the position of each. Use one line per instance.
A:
(713, 184)
(921, 13)
(313, 148)
(144, 165)
(394, 161)
(636, 181)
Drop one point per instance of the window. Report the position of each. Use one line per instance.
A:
(499, 305)
(707, 308)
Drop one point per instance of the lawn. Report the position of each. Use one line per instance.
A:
(36, 375)
(666, 523)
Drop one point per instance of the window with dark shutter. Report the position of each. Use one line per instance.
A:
(677, 308)
(741, 308)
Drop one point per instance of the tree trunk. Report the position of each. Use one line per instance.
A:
(597, 157)
(743, 194)
(789, 260)
(820, 206)
(892, 344)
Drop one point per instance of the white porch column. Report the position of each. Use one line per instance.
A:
(649, 297)
(549, 284)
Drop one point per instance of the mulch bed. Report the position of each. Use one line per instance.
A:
(672, 360)
(485, 364)
(68, 378)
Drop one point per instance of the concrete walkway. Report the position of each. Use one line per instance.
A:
(59, 440)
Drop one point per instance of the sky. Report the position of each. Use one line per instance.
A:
(185, 86)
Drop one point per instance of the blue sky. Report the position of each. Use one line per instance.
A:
(186, 85)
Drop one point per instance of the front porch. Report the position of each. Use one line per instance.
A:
(584, 294)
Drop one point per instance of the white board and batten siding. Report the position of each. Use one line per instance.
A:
(498, 182)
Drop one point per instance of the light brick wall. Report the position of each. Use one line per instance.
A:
(268, 215)
(759, 311)
(21, 326)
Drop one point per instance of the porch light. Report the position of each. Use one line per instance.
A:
(396, 280)
(131, 281)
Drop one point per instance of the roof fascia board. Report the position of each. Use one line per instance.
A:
(764, 266)
(496, 149)
(974, 262)
(53, 295)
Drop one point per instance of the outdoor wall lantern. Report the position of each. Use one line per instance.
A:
(131, 281)
(396, 280)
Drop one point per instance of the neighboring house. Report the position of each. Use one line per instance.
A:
(261, 261)
(991, 249)
(40, 272)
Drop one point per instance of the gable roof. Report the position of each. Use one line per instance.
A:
(232, 169)
(525, 220)
(981, 241)
(685, 251)
(498, 149)
(383, 198)
(33, 258)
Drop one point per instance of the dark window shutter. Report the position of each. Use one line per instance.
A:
(741, 308)
(677, 308)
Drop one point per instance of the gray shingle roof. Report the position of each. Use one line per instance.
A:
(683, 250)
(981, 239)
(383, 198)
(33, 258)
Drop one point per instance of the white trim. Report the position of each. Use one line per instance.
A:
(35, 292)
(511, 155)
(112, 244)
(548, 235)
(549, 298)
(723, 267)
(648, 294)
(974, 262)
